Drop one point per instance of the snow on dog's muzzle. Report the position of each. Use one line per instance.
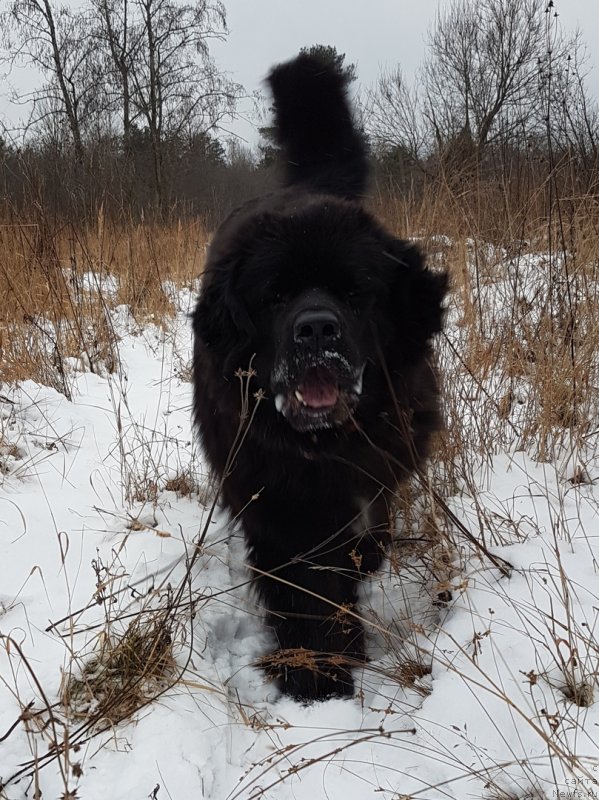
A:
(324, 396)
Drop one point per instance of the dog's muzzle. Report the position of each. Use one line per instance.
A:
(317, 378)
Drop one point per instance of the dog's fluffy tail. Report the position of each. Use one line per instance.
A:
(322, 148)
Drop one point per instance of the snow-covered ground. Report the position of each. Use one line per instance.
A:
(490, 694)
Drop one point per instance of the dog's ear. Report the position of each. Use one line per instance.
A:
(416, 296)
(221, 320)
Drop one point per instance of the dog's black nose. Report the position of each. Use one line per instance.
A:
(316, 327)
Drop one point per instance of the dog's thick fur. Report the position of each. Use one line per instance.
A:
(335, 316)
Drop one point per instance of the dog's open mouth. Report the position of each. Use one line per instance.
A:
(320, 399)
(318, 389)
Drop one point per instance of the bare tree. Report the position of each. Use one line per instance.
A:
(57, 43)
(392, 115)
(117, 45)
(482, 70)
(494, 73)
(176, 88)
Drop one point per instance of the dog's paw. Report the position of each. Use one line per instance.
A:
(307, 675)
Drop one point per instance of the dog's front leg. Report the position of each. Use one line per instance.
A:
(311, 608)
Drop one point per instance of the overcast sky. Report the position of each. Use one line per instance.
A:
(372, 33)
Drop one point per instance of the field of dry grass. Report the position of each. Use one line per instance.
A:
(47, 269)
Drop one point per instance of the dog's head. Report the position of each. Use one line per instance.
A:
(322, 300)
(317, 371)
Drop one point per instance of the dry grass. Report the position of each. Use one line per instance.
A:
(126, 670)
(59, 281)
(183, 484)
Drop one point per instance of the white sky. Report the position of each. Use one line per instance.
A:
(371, 33)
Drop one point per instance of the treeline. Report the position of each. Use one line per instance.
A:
(198, 177)
(130, 112)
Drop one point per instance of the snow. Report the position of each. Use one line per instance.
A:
(101, 283)
(90, 531)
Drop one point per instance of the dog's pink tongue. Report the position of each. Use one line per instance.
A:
(319, 388)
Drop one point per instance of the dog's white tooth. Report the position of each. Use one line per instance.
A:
(279, 402)
(299, 396)
(358, 384)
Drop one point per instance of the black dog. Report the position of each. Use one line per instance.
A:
(335, 316)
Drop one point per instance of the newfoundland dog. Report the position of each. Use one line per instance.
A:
(315, 394)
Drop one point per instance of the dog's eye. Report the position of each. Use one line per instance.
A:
(353, 299)
(279, 299)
